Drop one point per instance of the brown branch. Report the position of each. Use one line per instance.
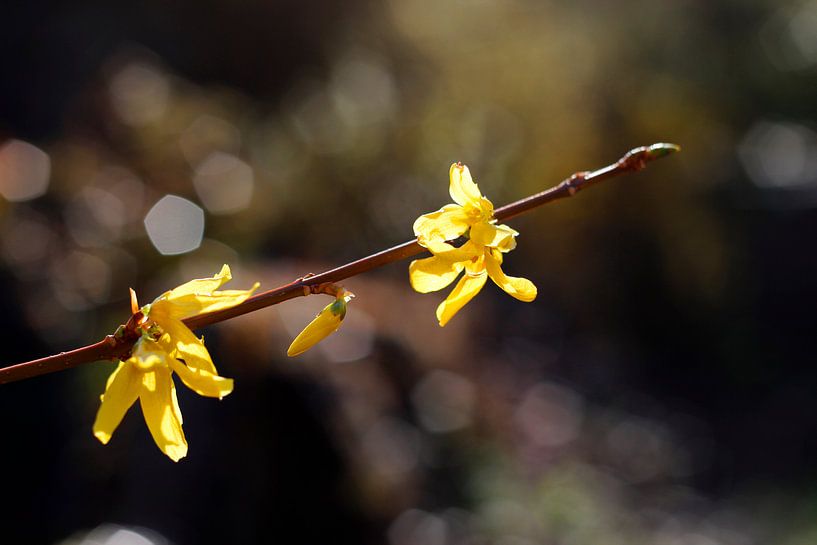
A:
(118, 346)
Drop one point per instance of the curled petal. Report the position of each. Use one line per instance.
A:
(486, 208)
(447, 223)
(466, 252)
(121, 392)
(464, 291)
(325, 323)
(201, 285)
(433, 273)
(160, 408)
(186, 345)
(520, 288)
(193, 304)
(200, 381)
(500, 237)
(462, 187)
(476, 265)
(197, 297)
(436, 246)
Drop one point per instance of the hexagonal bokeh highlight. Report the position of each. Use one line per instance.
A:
(25, 171)
(224, 183)
(175, 225)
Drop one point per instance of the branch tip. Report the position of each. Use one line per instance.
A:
(661, 149)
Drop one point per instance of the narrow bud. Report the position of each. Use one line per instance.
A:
(325, 323)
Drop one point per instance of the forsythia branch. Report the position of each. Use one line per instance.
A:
(119, 345)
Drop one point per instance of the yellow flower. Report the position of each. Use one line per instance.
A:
(168, 346)
(454, 220)
(324, 324)
(480, 257)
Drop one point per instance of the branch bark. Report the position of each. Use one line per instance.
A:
(118, 346)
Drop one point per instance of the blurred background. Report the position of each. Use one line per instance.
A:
(660, 390)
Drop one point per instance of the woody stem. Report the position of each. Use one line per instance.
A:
(119, 346)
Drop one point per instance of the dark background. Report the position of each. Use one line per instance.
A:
(660, 390)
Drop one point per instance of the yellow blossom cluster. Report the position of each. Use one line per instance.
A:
(480, 256)
(168, 346)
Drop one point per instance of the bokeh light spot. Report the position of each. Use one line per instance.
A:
(26, 240)
(549, 415)
(318, 123)
(363, 90)
(113, 534)
(95, 217)
(392, 447)
(208, 134)
(780, 155)
(24, 171)
(224, 183)
(81, 280)
(139, 93)
(444, 401)
(175, 225)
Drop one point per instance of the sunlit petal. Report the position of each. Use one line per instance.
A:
(520, 288)
(200, 381)
(462, 188)
(476, 265)
(187, 346)
(486, 208)
(447, 223)
(436, 246)
(202, 285)
(121, 392)
(198, 296)
(162, 415)
(433, 273)
(193, 304)
(464, 291)
(495, 236)
(466, 252)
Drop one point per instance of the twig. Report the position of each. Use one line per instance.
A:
(118, 346)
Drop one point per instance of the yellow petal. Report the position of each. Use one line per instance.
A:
(186, 345)
(447, 223)
(325, 323)
(120, 393)
(466, 252)
(148, 354)
(193, 304)
(461, 187)
(436, 246)
(199, 296)
(433, 273)
(200, 381)
(495, 236)
(162, 415)
(464, 291)
(520, 288)
(476, 265)
(202, 285)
